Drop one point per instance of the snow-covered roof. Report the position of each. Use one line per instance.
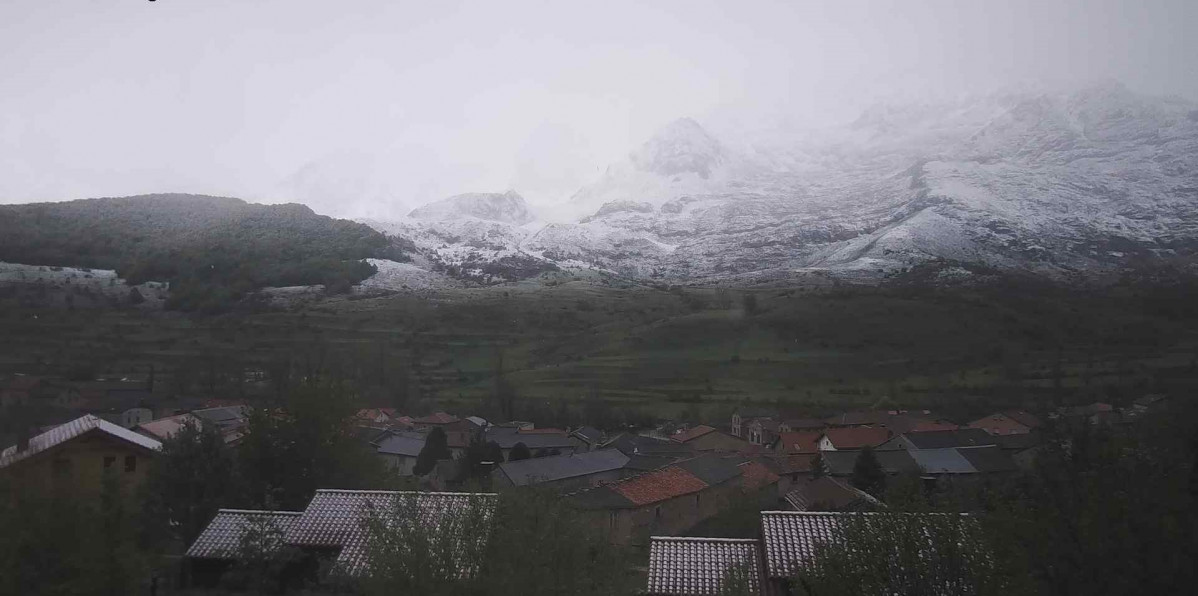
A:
(222, 538)
(65, 432)
(700, 566)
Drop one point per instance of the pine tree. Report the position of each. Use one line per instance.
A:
(519, 451)
(868, 474)
(436, 447)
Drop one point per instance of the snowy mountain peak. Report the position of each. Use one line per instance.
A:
(508, 207)
(682, 146)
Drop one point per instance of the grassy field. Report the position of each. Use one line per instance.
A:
(696, 351)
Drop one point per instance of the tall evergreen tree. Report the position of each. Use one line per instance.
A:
(868, 474)
(436, 447)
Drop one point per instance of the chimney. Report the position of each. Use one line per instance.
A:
(23, 438)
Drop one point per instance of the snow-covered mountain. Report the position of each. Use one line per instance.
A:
(1061, 184)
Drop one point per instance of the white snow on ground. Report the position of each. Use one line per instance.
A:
(405, 276)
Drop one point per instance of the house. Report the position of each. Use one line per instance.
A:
(632, 444)
(704, 566)
(852, 438)
(231, 421)
(399, 451)
(76, 456)
(760, 482)
(1011, 422)
(332, 531)
(829, 494)
(706, 438)
(332, 526)
(797, 442)
(165, 428)
(132, 417)
(762, 431)
(458, 431)
(742, 417)
(372, 416)
(545, 444)
(668, 500)
(573, 471)
(218, 546)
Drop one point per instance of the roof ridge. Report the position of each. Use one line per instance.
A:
(704, 539)
(401, 492)
(279, 512)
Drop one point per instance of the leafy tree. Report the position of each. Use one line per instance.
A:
(868, 474)
(261, 557)
(519, 451)
(880, 554)
(819, 468)
(436, 448)
(190, 479)
(308, 443)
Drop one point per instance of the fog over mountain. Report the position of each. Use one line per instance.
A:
(379, 109)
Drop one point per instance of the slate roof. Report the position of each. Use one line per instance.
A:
(989, 459)
(65, 432)
(508, 437)
(224, 416)
(829, 494)
(589, 434)
(631, 444)
(857, 437)
(401, 443)
(649, 462)
(335, 518)
(221, 539)
(712, 469)
(698, 566)
(559, 467)
(944, 439)
(942, 461)
(1018, 441)
(840, 463)
(692, 433)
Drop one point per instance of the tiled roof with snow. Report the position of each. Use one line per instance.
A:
(222, 538)
(700, 566)
(337, 518)
(65, 432)
(791, 538)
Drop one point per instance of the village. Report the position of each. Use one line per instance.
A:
(768, 485)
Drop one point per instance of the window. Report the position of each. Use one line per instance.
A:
(657, 512)
(130, 463)
(109, 460)
(612, 520)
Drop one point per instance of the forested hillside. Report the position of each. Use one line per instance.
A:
(213, 250)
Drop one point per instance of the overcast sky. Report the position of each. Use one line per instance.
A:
(372, 106)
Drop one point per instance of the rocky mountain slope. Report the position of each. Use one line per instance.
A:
(1061, 184)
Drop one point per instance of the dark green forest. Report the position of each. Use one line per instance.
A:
(213, 250)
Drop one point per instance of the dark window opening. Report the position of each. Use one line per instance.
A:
(130, 463)
(109, 460)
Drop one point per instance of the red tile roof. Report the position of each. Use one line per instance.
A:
(659, 485)
(1023, 418)
(798, 442)
(857, 437)
(436, 418)
(692, 433)
(756, 475)
(792, 464)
